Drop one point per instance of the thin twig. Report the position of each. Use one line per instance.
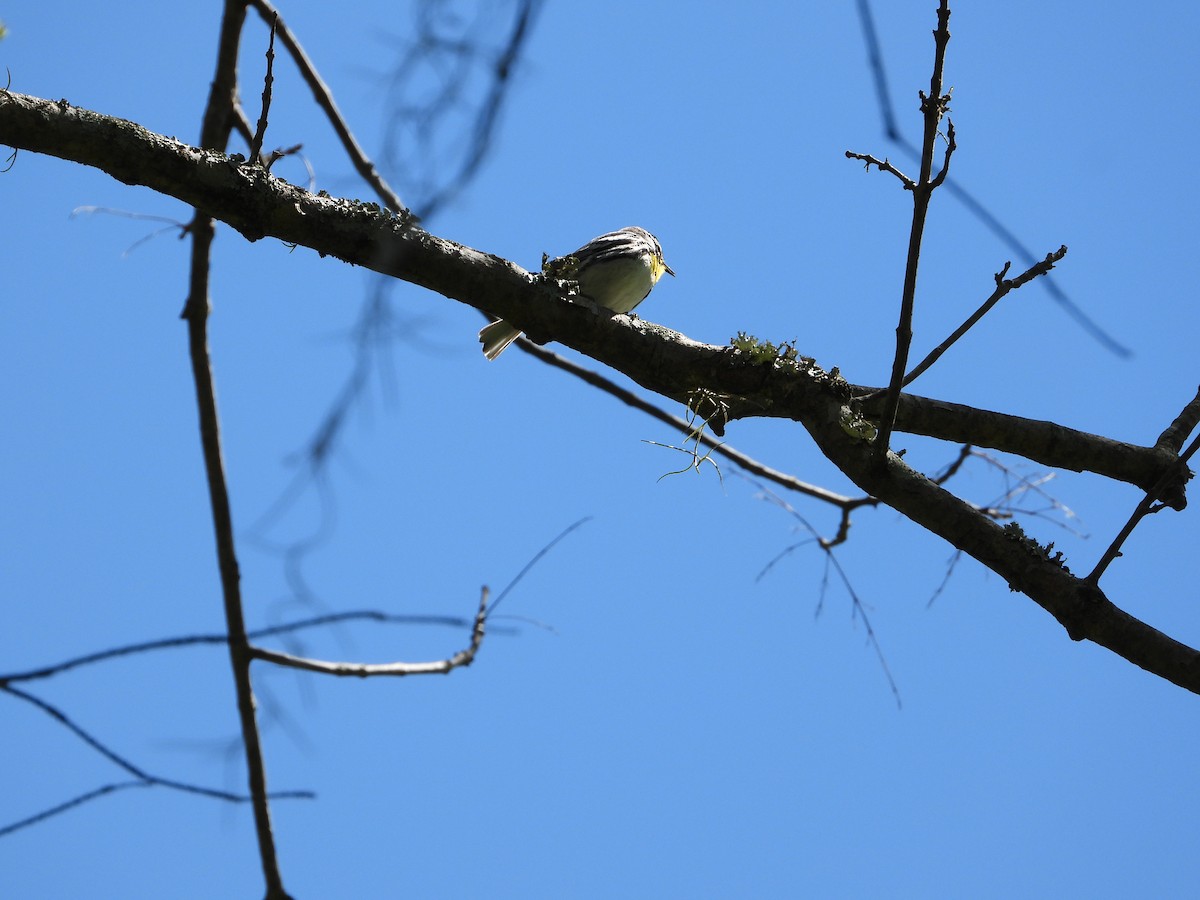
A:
(964, 453)
(1147, 506)
(397, 669)
(215, 129)
(537, 557)
(934, 106)
(1003, 287)
(857, 606)
(193, 640)
(883, 165)
(324, 97)
(268, 81)
(951, 565)
(951, 146)
(67, 805)
(751, 465)
(975, 207)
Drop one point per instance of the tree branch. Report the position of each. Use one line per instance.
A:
(324, 99)
(933, 106)
(1003, 287)
(397, 669)
(258, 205)
(1079, 606)
(218, 121)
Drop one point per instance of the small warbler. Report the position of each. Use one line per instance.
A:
(616, 270)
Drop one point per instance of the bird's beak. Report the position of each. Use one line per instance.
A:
(669, 270)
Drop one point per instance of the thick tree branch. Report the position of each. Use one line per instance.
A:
(1042, 442)
(259, 205)
(1079, 606)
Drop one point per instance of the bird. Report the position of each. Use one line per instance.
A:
(615, 270)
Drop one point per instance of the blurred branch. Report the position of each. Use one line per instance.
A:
(456, 61)
(374, 329)
(144, 778)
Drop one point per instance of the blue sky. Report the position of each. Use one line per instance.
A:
(661, 722)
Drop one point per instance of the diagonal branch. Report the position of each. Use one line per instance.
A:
(143, 778)
(1003, 287)
(1183, 425)
(1077, 604)
(1160, 495)
(629, 398)
(324, 98)
(657, 358)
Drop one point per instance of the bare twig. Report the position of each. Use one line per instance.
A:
(68, 805)
(1017, 487)
(194, 640)
(537, 557)
(975, 207)
(324, 97)
(951, 146)
(951, 565)
(964, 453)
(629, 398)
(1003, 287)
(883, 165)
(215, 129)
(934, 106)
(398, 669)
(857, 606)
(1148, 505)
(172, 224)
(268, 81)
